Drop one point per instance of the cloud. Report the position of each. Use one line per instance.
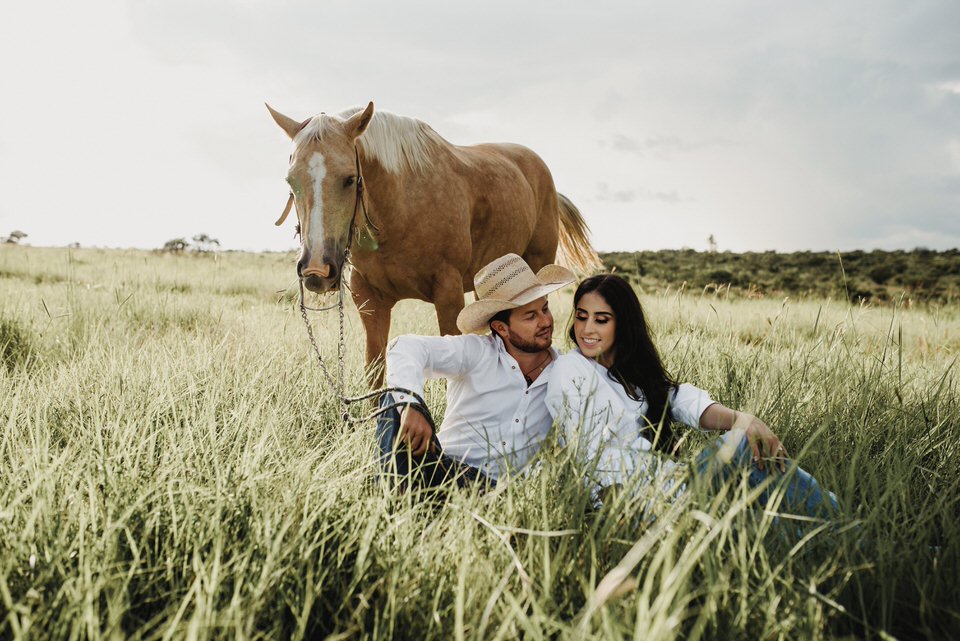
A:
(658, 146)
(605, 194)
(953, 150)
(949, 186)
(952, 87)
(665, 196)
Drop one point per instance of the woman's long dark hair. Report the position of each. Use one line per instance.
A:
(636, 361)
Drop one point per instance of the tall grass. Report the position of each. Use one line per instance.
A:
(172, 465)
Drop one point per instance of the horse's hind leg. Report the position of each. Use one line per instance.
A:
(542, 249)
(539, 254)
(448, 299)
(375, 310)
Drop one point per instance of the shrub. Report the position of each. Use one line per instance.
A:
(721, 276)
(175, 245)
(881, 273)
(204, 243)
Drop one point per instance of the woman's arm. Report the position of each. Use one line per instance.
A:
(763, 441)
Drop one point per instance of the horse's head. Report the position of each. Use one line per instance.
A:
(323, 186)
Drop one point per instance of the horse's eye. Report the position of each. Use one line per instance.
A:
(348, 181)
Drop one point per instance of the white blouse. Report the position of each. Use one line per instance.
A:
(597, 417)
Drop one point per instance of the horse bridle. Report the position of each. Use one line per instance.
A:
(360, 202)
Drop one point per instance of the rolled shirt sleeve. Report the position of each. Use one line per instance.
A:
(688, 403)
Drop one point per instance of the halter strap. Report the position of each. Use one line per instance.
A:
(361, 202)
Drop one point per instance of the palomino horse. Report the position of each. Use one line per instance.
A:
(419, 215)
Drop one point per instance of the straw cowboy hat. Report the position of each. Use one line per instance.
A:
(506, 283)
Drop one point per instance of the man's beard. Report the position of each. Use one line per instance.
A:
(531, 346)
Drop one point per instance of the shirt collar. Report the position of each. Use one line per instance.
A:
(502, 351)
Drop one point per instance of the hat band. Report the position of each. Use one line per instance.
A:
(510, 261)
(514, 297)
(491, 292)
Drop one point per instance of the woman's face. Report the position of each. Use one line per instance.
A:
(595, 328)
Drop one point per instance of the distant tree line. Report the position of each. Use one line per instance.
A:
(920, 274)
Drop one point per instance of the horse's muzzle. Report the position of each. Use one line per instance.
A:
(323, 278)
(321, 285)
(321, 271)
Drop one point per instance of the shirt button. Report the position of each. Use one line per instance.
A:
(513, 367)
(516, 420)
(526, 391)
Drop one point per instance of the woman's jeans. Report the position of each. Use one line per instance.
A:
(802, 493)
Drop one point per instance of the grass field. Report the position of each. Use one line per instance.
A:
(172, 466)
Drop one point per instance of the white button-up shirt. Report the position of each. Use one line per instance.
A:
(596, 415)
(493, 421)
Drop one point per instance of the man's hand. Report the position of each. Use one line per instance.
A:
(763, 441)
(415, 432)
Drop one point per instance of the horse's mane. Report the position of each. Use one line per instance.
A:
(397, 142)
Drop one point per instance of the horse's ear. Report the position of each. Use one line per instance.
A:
(289, 125)
(357, 123)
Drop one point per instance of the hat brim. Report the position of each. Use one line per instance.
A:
(476, 316)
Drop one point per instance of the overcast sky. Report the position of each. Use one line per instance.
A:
(816, 125)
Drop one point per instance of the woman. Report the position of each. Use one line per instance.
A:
(614, 401)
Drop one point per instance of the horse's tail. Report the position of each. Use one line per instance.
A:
(575, 250)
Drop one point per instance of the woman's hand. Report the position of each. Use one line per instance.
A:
(763, 442)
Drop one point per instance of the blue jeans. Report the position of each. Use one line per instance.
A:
(433, 469)
(801, 492)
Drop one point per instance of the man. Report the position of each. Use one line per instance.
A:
(496, 418)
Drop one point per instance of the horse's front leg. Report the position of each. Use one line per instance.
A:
(374, 309)
(448, 299)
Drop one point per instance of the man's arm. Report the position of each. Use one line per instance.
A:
(411, 360)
